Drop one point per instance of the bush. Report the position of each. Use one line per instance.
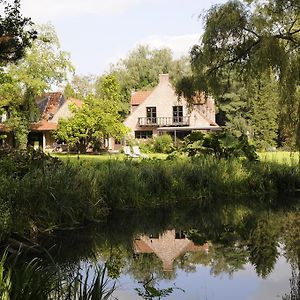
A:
(222, 144)
(163, 144)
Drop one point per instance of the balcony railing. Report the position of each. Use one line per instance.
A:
(164, 121)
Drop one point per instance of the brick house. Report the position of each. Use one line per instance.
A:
(160, 111)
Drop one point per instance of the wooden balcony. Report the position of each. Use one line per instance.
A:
(164, 121)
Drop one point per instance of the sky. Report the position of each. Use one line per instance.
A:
(98, 33)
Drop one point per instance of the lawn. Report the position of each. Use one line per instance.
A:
(281, 157)
(104, 157)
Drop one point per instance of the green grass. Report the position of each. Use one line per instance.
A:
(281, 157)
(104, 157)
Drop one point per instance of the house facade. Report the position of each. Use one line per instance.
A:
(52, 107)
(161, 111)
(167, 246)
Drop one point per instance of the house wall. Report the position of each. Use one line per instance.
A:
(163, 98)
(64, 112)
(50, 140)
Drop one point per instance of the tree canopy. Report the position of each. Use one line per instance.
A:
(96, 120)
(141, 68)
(246, 38)
(16, 32)
(43, 66)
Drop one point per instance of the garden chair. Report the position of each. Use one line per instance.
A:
(128, 152)
(137, 151)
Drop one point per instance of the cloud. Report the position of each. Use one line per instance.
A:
(179, 44)
(46, 10)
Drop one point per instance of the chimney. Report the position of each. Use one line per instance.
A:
(163, 78)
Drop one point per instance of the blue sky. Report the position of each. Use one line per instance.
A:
(98, 33)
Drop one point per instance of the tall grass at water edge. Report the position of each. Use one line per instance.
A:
(55, 195)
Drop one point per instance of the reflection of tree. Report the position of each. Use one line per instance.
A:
(295, 286)
(236, 234)
(263, 243)
(228, 259)
(143, 266)
(291, 237)
(220, 258)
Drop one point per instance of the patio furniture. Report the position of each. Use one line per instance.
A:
(137, 151)
(128, 153)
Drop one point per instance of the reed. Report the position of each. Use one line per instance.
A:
(40, 194)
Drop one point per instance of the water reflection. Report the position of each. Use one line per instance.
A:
(251, 245)
(168, 246)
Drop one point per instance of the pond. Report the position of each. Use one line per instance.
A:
(229, 251)
(220, 251)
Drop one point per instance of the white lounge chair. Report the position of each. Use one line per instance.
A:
(137, 151)
(128, 152)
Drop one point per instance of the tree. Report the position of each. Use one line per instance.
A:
(249, 37)
(43, 66)
(108, 87)
(69, 91)
(16, 33)
(141, 68)
(96, 120)
(83, 85)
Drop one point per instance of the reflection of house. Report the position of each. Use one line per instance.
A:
(168, 246)
(52, 107)
(160, 110)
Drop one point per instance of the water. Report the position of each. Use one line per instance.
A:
(229, 252)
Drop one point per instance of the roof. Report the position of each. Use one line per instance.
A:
(49, 104)
(43, 125)
(139, 97)
(141, 246)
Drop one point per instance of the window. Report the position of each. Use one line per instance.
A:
(151, 115)
(179, 235)
(142, 134)
(177, 114)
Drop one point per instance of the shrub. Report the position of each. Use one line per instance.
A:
(163, 144)
(222, 144)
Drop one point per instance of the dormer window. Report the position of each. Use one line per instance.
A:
(151, 115)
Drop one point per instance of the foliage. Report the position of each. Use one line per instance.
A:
(38, 194)
(40, 278)
(222, 144)
(265, 234)
(41, 194)
(107, 87)
(149, 292)
(141, 68)
(159, 144)
(91, 124)
(252, 108)
(249, 37)
(43, 66)
(16, 32)
(81, 86)
(5, 280)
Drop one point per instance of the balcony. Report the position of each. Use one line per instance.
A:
(164, 121)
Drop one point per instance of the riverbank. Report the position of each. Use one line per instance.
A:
(40, 193)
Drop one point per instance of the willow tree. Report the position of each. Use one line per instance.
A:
(248, 37)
